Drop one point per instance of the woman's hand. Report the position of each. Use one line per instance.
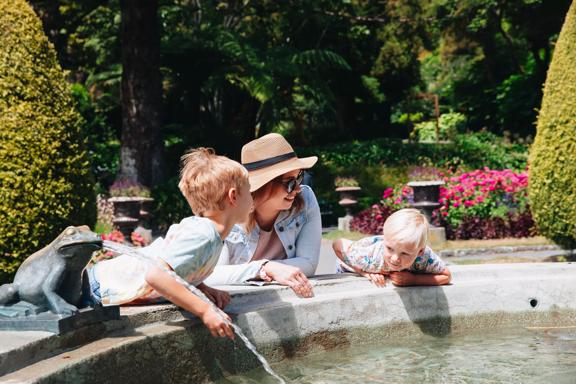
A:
(216, 324)
(290, 276)
(218, 297)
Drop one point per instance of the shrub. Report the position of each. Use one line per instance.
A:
(125, 187)
(379, 164)
(170, 206)
(45, 181)
(371, 221)
(482, 204)
(552, 166)
(471, 150)
(449, 124)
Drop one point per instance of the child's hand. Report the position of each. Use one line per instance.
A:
(376, 278)
(402, 278)
(218, 297)
(216, 324)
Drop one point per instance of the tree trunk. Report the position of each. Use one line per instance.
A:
(141, 156)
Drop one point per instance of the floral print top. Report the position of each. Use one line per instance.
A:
(367, 254)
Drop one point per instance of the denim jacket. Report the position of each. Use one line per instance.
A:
(299, 232)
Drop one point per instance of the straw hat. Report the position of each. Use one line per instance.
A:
(269, 157)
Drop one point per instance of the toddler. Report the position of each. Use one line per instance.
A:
(400, 254)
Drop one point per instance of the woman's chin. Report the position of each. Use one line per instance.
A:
(288, 203)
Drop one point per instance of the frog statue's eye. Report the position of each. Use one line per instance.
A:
(70, 232)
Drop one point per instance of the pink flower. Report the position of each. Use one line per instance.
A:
(387, 193)
(456, 204)
(468, 203)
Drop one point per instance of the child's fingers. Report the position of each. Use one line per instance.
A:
(378, 279)
(228, 332)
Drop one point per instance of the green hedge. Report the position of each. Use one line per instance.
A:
(382, 163)
(470, 150)
(45, 181)
(553, 157)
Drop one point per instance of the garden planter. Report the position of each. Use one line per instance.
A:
(126, 213)
(348, 199)
(427, 199)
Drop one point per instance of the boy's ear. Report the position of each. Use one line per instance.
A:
(232, 195)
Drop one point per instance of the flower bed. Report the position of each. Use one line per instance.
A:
(481, 204)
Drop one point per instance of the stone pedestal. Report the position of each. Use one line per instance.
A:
(50, 322)
(437, 237)
(347, 200)
(344, 223)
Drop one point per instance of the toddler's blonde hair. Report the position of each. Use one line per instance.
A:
(407, 226)
(206, 178)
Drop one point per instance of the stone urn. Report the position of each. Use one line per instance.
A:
(145, 207)
(426, 199)
(348, 199)
(426, 196)
(126, 213)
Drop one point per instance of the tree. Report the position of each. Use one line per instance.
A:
(141, 157)
(552, 167)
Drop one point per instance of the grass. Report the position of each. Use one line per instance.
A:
(510, 259)
(333, 235)
(464, 244)
(455, 244)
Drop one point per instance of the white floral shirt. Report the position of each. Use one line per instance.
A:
(367, 254)
(191, 248)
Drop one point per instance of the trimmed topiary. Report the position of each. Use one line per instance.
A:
(45, 181)
(552, 189)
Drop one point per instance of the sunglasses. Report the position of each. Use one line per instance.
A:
(294, 182)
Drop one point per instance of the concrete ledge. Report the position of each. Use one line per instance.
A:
(346, 309)
(447, 253)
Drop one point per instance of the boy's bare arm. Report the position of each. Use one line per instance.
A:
(405, 278)
(180, 295)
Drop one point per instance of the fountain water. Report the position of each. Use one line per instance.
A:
(130, 251)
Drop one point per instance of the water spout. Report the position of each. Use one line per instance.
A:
(130, 251)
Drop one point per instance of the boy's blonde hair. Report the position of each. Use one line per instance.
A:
(407, 226)
(206, 178)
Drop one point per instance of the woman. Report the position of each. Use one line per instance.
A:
(281, 240)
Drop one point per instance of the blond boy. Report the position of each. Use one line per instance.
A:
(400, 254)
(218, 192)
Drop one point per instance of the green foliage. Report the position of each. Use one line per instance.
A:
(491, 57)
(125, 187)
(169, 205)
(45, 181)
(382, 163)
(470, 150)
(552, 166)
(449, 125)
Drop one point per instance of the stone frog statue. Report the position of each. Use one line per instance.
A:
(51, 278)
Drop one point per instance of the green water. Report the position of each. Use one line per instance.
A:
(502, 356)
